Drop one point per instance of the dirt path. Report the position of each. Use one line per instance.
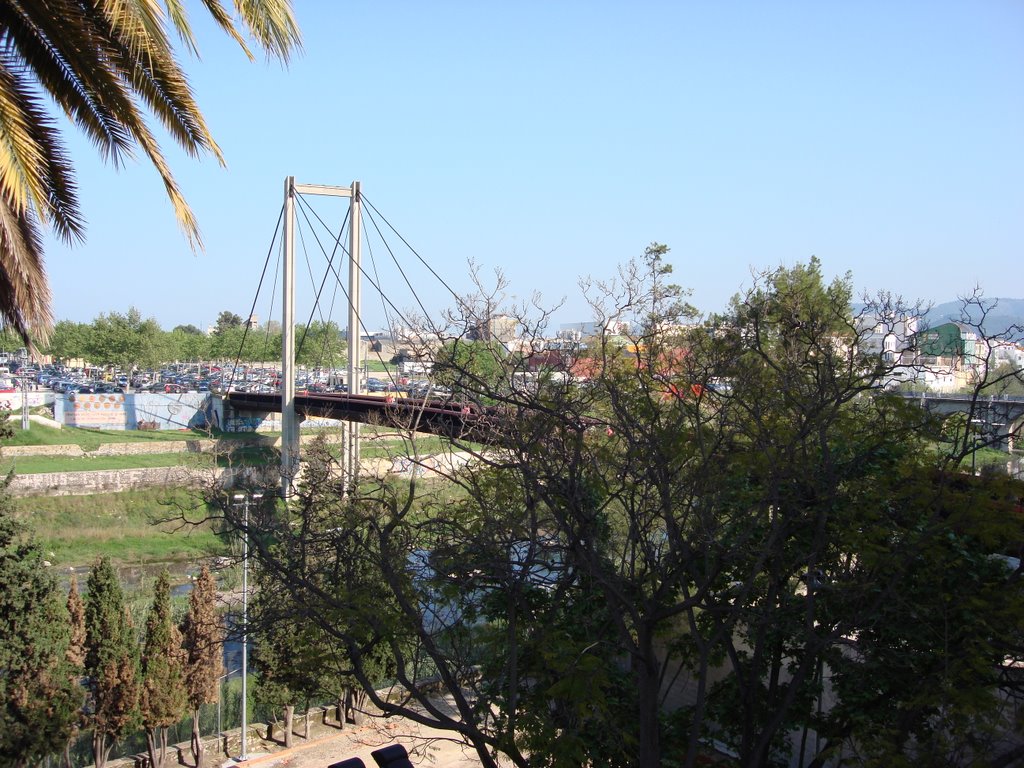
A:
(329, 745)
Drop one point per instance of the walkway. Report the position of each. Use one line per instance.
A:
(427, 747)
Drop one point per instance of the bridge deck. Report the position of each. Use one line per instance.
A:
(438, 417)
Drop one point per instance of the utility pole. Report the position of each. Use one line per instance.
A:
(244, 499)
(23, 359)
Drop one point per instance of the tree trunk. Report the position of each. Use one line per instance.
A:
(356, 704)
(305, 734)
(156, 745)
(342, 714)
(289, 717)
(100, 748)
(645, 671)
(163, 746)
(197, 741)
(152, 750)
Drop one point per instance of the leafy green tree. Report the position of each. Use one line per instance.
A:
(126, 341)
(203, 640)
(227, 321)
(247, 344)
(738, 504)
(300, 657)
(1005, 379)
(40, 694)
(103, 65)
(10, 340)
(471, 368)
(270, 660)
(320, 344)
(163, 675)
(185, 344)
(69, 340)
(111, 661)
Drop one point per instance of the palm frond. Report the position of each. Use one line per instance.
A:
(34, 170)
(59, 44)
(105, 64)
(182, 212)
(226, 23)
(24, 290)
(273, 24)
(179, 20)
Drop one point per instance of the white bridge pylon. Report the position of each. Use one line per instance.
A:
(289, 420)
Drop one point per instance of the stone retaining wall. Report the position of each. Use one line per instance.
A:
(157, 446)
(117, 480)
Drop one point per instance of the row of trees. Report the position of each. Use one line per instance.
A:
(732, 534)
(130, 341)
(80, 664)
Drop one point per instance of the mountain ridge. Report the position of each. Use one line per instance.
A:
(1001, 315)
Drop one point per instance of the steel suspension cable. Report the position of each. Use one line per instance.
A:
(252, 309)
(414, 252)
(369, 277)
(305, 207)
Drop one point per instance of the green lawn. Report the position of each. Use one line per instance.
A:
(31, 465)
(91, 439)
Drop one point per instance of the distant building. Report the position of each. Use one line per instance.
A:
(577, 331)
(887, 337)
(1007, 352)
(948, 357)
(501, 328)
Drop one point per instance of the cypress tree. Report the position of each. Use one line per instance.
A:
(37, 694)
(76, 661)
(203, 641)
(111, 661)
(163, 674)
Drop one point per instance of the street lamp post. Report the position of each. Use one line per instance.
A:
(975, 442)
(23, 359)
(244, 499)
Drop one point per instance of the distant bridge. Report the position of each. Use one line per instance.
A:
(437, 417)
(1000, 418)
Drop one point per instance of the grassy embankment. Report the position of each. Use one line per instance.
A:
(128, 527)
(376, 446)
(138, 526)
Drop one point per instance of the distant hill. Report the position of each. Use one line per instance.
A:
(1005, 313)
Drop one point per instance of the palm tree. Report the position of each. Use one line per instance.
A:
(107, 65)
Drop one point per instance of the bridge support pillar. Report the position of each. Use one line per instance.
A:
(289, 420)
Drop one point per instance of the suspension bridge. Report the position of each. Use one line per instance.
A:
(353, 407)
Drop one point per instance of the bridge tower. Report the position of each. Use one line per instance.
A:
(289, 419)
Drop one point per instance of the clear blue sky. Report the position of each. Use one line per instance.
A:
(555, 140)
